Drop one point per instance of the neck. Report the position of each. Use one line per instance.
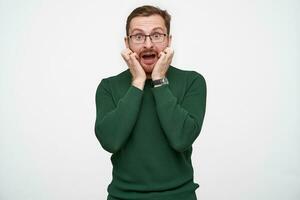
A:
(148, 76)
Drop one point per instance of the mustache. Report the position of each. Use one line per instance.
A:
(148, 52)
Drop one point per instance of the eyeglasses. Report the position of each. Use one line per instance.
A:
(154, 37)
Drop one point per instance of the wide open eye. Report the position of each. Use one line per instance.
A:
(139, 37)
(156, 36)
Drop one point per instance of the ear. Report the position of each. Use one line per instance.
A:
(170, 40)
(126, 42)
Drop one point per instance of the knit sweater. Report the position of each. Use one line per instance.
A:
(150, 133)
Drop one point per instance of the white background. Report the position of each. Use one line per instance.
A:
(53, 54)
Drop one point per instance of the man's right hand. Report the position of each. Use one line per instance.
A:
(138, 74)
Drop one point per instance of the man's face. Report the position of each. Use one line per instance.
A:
(148, 51)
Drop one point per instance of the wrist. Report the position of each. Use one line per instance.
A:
(156, 77)
(160, 82)
(139, 83)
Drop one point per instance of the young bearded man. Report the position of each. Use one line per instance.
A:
(149, 115)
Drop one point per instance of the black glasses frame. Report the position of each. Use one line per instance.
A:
(150, 36)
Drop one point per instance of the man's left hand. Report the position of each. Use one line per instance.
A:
(161, 67)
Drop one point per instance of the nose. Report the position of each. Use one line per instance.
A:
(148, 43)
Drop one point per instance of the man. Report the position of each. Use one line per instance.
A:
(149, 115)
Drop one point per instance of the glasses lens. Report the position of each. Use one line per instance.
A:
(155, 38)
(138, 38)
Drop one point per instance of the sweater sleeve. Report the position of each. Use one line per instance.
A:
(114, 123)
(181, 122)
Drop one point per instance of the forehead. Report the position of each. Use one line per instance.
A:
(147, 24)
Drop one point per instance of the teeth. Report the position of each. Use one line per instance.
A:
(148, 53)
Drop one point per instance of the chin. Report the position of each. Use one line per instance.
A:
(148, 68)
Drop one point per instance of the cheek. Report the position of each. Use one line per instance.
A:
(134, 48)
(161, 47)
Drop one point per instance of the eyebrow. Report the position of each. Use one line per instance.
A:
(137, 29)
(158, 28)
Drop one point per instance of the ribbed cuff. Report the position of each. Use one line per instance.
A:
(133, 96)
(162, 94)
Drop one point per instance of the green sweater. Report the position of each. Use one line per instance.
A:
(150, 133)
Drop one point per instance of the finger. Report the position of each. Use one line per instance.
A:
(133, 56)
(170, 55)
(126, 54)
(168, 50)
(129, 51)
(171, 50)
(161, 54)
(134, 59)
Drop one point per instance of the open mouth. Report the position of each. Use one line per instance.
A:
(148, 57)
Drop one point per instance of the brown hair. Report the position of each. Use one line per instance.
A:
(147, 10)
